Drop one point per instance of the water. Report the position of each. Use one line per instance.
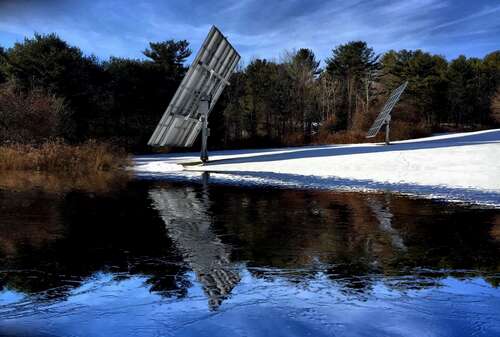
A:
(152, 258)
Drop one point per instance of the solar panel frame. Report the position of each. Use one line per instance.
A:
(208, 75)
(384, 114)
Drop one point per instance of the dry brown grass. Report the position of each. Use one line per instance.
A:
(294, 139)
(57, 157)
(341, 137)
(399, 131)
(406, 130)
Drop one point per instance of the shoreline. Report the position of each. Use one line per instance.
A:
(459, 167)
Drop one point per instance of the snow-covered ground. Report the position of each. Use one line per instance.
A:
(460, 166)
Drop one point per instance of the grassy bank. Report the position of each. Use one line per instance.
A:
(101, 182)
(57, 157)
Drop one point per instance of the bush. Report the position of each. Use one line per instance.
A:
(293, 139)
(400, 130)
(55, 156)
(341, 137)
(31, 117)
(330, 125)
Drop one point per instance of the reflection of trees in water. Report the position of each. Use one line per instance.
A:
(357, 237)
(56, 241)
(189, 224)
(495, 230)
(441, 237)
(27, 219)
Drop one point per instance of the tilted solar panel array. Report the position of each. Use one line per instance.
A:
(386, 111)
(208, 75)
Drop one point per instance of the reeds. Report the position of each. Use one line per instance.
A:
(58, 157)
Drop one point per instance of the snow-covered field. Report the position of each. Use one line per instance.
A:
(460, 167)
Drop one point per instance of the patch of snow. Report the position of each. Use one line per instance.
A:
(460, 166)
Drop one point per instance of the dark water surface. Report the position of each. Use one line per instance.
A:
(170, 259)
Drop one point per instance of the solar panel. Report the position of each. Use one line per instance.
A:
(384, 115)
(207, 76)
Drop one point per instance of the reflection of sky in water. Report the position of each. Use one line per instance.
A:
(9, 297)
(104, 306)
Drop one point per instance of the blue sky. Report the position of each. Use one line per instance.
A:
(259, 28)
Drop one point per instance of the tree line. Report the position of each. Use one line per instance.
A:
(294, 101)
(50, 89)
(78, 97)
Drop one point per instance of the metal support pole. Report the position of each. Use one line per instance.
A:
(205, 177)
(204, 139)
(203, 109)
(387, 129)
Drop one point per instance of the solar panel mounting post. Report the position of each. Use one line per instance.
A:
(203, 109)
(387, 129)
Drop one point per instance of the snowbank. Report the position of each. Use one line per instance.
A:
(462, 166)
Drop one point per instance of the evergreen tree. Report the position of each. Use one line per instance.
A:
(171, 55)
(427, 83)
(141, 90)
(463, 90)
(356, 65)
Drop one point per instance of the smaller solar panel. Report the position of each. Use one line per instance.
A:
(386, 111)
